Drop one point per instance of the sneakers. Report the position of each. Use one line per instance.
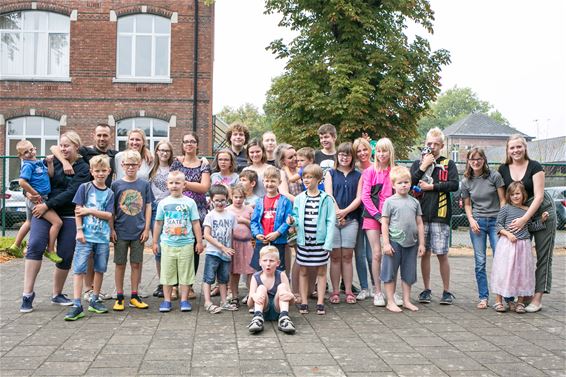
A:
(185, 306)
(286, 325)
(97, 307)
(136, 302)
(447, 298)
(142, 293)
(87, 295)
(398, 300)
(165, 307)
(378, 299)
(364, 293)
(118, 306)
(74, 313)
(425, 297)
(16, 251)
(62, 300)
(27, 302)
(256, 325)
(52, 256)
(158, 291)
(104, 296)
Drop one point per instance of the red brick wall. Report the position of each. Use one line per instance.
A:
(463, 143)
(92, 96)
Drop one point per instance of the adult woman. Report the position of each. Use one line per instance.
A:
(257, 159)
(286, 160)
(63, 189)
(137, 142)
(483, 193)
(197, 179)
(519, 167)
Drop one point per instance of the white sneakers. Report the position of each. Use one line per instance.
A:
(378, 299)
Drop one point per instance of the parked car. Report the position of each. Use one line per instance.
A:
(13, 203)
(559, 195)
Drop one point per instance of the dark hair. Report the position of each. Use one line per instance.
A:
(255, 142)
(237, 127)
(189, 133)
(106, 125)
(218, 190)
(327, 128)
(345, 148)
(469, 172)
(250, 175)
(511, 189)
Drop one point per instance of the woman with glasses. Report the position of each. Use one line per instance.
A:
(484, 195)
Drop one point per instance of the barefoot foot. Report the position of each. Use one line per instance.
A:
(393, 308)
(411, 307)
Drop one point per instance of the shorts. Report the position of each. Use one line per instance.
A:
(269, 312)
(437, 237)
(345, 235)
(121, 251)
(177, 265)
(39, 235)
(100, 251)
(30, 205)
(370, 224)
(215, 268)
(404, 257)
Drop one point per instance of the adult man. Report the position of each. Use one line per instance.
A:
(237, 136)
(436, 207)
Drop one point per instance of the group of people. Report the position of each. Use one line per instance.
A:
(276, 217)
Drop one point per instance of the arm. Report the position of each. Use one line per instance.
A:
(197, 231)
(387, 249)
(79, 224)
(67, 167)
(201, 187)
(81, 211)
(82, 175)
(211, 240)
(367, 182)
(157, 228)
(284, 187)
(501, 195)
(538, 183)
(468, 208)
(420, 230)
(50, 168)
(291, 177)
(24, 184)
(145, 234)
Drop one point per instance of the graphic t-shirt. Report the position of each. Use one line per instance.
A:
(269, 208)
(228, 181)
(221, 226)
(95, 230)
(177, 215)
(129, 207)
(35, 173)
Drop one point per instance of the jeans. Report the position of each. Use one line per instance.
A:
(479, 243)
(363, 256)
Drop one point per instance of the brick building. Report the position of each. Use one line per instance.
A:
(70, 64)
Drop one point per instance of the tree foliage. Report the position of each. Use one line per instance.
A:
(352, 65)
(453, 105)
(249, 115)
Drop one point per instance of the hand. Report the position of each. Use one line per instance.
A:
(290, 220)
(421, 250)
(144, 236)
(517, 224)
(341, 214)
(426, 186)
(82, 211)
(149, 158)
(544, 216)
(511, 237)
(474, 226)
(155, 249)
(388, 250)
(199, 248)
(260, 237)
(80, 236)
(271, 236)
(292, 230)
(341, 221)
(49, 159)
(35, 198)
(427, 161)
(229, 251)
(67, 167)
(113, 236)
(39, 210)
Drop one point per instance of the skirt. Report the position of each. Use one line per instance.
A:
(513, 271)
(242, 258)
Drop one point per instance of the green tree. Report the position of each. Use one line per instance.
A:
(453, 105)
(352, 65)
(249, 115)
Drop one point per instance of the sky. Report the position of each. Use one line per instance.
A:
(512, 53)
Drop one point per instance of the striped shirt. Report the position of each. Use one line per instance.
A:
(312, 253)
(509, 213)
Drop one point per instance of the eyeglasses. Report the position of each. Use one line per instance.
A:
(475, 159)
(190, 142)
(130, 165)
(344, 155)
(164, 150)
(219, 202)
(224, 159)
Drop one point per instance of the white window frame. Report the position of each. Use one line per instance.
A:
(132, 77)
(43, 34)
(151, 140)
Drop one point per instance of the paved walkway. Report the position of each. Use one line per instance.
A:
(352, 340)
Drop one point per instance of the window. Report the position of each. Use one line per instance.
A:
(143, 47)
(42, 132)
(34, 45)
(155, 131)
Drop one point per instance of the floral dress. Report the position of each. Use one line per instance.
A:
(194, 175)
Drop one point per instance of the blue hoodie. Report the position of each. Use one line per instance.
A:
(282, 211)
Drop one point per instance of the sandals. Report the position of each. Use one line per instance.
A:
(350, 298)
(235, 301)
(482, 304)
(320, 309)
(334, 298)
(229, 307)
(499, 307)
(520, 308)
(304, 309)
(213, 309)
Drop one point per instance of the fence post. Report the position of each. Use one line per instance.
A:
(3, 196)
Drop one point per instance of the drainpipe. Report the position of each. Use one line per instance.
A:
(195, 68)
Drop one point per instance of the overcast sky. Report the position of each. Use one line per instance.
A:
(512, 53)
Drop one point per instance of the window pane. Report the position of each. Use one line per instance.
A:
(160, 128)
(143, 23)
(162, 56)
(122, 145)
(162, 25)
(35, 54)
(48, 145)
(35, 21)
(58, 55)
(14, 164)
(126, 24)
(51, 127)
(33, 126)
(143, 56)
(10, 54)
(123, 127)
(58, 22)
(124, 56)
(11, 21)
(144, 124)
(15, 126)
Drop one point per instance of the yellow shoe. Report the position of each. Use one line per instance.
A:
(118, 306)
(138, 303)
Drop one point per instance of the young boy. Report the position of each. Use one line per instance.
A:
(268, 223)
(326, 157)
(34, 180)
(403, 235)
(248, 179)
(219, 227)
(132, 209)
(437, 209)
(94, 209)
(305, 157)
(237, 136)
(270, 295)
(177, 220)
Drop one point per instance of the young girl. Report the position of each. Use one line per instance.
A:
(257, 158)
(345, 185)
(158, 179)
(376, 187)
(269, 143)
(314, 213)
(224, 166)
(241, 242)
(513, 272)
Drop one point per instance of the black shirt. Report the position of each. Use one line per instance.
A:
(90, 152)
(533, 167)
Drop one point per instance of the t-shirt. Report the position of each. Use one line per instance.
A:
(96, 230)
(533, 167)
(90, 152)
(221, 226)
(35, 173)
(269, 210)
(159, 184)
(130, 202)
(402, 213)
(177, 215)
(229, 181)
(241, 159)
(482, 192)
(326, 161)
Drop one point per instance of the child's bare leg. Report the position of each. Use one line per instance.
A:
(260, 299)
(136, 275)
(295, 274)
(336, 269)
(407, 297)
(223, 292)
(234, 282)
(520, 299)
(347, 268)
(56, 224)
(389, 292)
(78, 285)
(206, 294)
(119, 274)
(281, 298)
(89, 276)
(167, 289)
(375, 245)
(97, 282)
(22, 233)
(288, 255)
(312, 279)
(304, 283)
(184, 292)
(321, 283)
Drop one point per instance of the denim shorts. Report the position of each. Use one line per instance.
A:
(437, 236)
(100, 251)
(345, 235)
(404, 258)
(215, 269)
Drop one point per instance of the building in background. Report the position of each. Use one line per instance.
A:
(69, 65)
